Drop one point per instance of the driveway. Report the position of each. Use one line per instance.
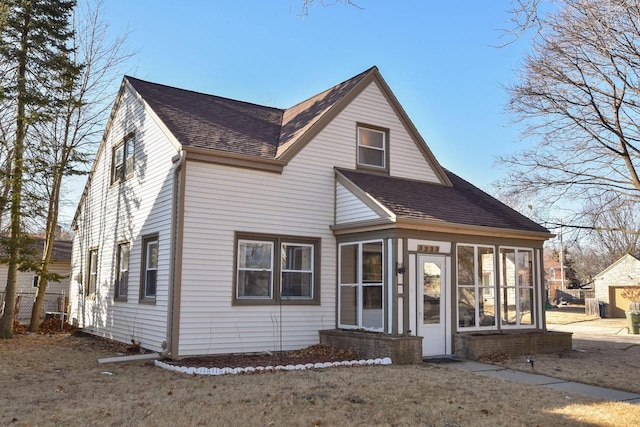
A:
(599, 329)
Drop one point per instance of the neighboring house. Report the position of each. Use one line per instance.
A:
(210, 225)
(555, 276)
(28, 280)
(610, 283)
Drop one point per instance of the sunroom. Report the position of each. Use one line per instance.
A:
(434, 262)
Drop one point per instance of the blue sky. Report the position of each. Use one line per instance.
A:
(438, 57)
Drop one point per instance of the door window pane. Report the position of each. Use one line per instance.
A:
(431, 292)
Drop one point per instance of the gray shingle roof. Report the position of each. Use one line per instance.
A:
(221, 124)
(461, 203)
(207, 121)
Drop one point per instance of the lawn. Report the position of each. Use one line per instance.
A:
(56, 380)
(563, 315)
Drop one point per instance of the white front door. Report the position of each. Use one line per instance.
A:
(433, 305)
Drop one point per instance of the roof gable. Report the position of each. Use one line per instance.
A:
(209, 123)
(459, 204)
(623, 259)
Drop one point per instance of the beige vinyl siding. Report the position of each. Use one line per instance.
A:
(350, 209)
(139, 206)
(406, 160)
(220, 200)
(25, 279)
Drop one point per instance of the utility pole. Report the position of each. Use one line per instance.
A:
(561, 260)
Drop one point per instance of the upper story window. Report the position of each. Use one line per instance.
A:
(372, 147)
(122, 159)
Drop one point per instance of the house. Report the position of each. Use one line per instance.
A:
(28, 280)
(554, 275)
(610, 283)
(210, 225)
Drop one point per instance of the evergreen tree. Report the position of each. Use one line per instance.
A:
(35, 53)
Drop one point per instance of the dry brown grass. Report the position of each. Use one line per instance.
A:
(566, 315)
(612, 364)
(57, 381)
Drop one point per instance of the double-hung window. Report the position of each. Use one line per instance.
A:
(92, 277)
(361, 272)
(517, 287)
(276, 269)
(122, 159)
(297, 270)
(122, 271)
(476, 286)
(255, 269)
(372, 147)
(149, 268)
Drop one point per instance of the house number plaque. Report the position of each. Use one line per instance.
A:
(429, 248)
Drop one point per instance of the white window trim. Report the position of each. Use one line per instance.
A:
(282, 270)
(368, 147)
(477, 293)
(128, 147)
(120, 293)
(93, 273)
(238, 269)
(517, 287)
(360, 285)
(147, 243)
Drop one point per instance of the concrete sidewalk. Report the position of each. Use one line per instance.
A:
(542, 380)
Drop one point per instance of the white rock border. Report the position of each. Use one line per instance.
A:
(190, 370)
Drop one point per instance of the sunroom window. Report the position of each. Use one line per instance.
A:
(361, 275)
(517, 287)
(476, 287)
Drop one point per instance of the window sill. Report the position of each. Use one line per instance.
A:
(272, 302)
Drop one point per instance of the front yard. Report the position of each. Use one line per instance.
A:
(56, 380)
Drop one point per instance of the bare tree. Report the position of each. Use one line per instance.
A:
(615, 223)
(579, 102)
(304, 8)
(69, 139)
(34, 51)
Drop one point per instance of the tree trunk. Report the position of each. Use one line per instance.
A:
(47, 250)
(6, 321)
